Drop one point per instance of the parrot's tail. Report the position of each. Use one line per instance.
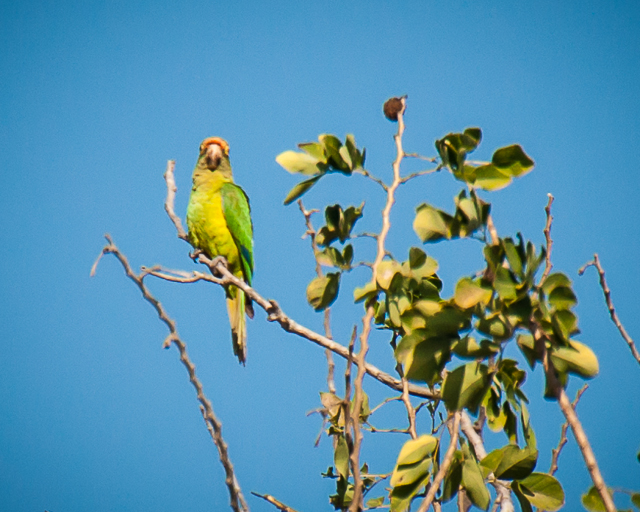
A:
(236, 310)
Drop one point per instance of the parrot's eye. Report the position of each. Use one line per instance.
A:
(214, 155)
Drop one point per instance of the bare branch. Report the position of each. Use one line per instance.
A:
(547, 236)
(278, 504)
(367, 174)
(435, 485)
(612, 312)
(238, 502)
(169, 202)
(411, 412)
(572, 418)
(327, 312)
(555, 453)
(420, 173)
(420, 157)
(503, 492)
(276, 314)
(356, 503)
(351, 417)
(493, 233)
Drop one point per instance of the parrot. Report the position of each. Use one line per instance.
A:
(219, 224)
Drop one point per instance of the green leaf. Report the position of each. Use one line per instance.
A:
(402, 495)
(473, 482)
(562, 297)
(417, 257)
(368, 291)
(341, 457)
(578, 359)
(510, 462)
(315, 150)
(554, 280)
(387, 270)
(522, 499)
(300, 163)
(468, 347)
(466, 386)
(323, 291)
(406, 474)
(453, 477)
(332, 147)
(527, 346)
(357, 157)
(416, 450)
(489, 177)
(300, 189)
(423, 358)
(593, 501)
(494, 325)
(431, 224)
(542, 491)
(469, 293)
(513, 159)
(375, 502)
(505, 285)
(474, 134)
(330, 257)
(635, 499)
(514, 258)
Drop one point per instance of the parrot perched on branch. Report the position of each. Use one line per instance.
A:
(219, 222)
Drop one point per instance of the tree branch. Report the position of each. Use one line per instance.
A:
(547, 236)
(555, 453)
(435, 485)
(356, 504)
(327, 312)
(169, 202)
(270, 499)
(238, 502)
(565, 406)
(612, 312)
(503, 492)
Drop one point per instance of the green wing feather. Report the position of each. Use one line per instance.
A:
(237, 214)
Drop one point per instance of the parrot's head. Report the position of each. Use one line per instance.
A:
(214, 151)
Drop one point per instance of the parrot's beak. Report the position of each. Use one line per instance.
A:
(213, 156)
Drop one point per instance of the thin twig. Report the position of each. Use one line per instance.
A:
(350, 418)
(238, 502)
(367, 174)
(384, 402)
(493, 233)
(612, 312)
(327, 312)
(411, 412)
(563, 434)
(420, 173)
(420, 157)
(503, 492)
(547, 236)
(435, 485)
(169, 202)
(356, 503)
(276, 503)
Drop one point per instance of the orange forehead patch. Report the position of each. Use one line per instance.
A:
(214, 140)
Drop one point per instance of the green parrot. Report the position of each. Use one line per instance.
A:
(219, 222)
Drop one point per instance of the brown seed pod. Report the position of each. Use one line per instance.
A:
(392, 107)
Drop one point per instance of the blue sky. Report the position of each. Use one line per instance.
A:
(97, 96)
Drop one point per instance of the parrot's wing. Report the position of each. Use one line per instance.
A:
(237, 213)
